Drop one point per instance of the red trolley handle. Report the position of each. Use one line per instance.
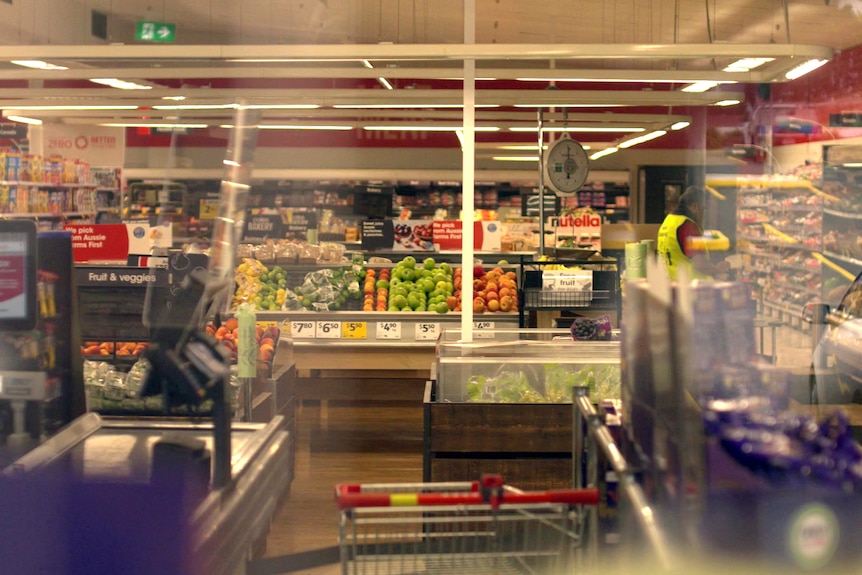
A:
(349, 496)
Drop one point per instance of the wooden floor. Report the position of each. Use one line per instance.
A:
(342, 444)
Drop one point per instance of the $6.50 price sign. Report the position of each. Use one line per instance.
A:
(328, 330)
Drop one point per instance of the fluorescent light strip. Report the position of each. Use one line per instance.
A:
(603, 153)
(236, 107)
(174, 98)
(38, 65)
(726, 103)
(74, 108)
(804, 68)
(642, 139)
(680, 125)
(570, 105)
(747, 64)
(460, 134)
(405, 106)
(581, 129)
(25, 120)
(149, 125)
(385, 83)
(524, 147)
(699, 87)
(619, 80)
(852, 165)
(515, 158)
(120, 84)
(295, 127)
(430, 128)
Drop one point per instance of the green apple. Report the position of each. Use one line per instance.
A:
(409, 262)
(429, 264)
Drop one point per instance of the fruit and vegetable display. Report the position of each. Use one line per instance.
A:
(114, 349)
(320, 290)
(549, 383)
(227, 334)
(110, 390)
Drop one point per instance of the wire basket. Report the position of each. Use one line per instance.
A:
(539, 298)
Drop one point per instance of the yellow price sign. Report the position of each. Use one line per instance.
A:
(209, 209)
(354, 330)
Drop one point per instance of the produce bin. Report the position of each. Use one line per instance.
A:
(502, 404)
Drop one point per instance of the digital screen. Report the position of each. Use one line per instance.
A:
(17, 275)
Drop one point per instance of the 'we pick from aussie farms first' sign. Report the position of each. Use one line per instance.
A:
(113, 243)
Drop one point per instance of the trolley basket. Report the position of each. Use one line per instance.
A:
(470, 528)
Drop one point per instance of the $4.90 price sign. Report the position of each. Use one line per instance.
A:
(482, 329)
(328, 330)
(426, 331)
(388, 330)
(302, 329)
(354, 330)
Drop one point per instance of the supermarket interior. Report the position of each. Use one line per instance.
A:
(407, 287)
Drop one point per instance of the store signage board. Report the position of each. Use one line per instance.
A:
(299, 222)
(584, 229)
(208, 208)
(397, 235)
(530, 204)
(13, 131)
(96, 145)
(121, 277)
(845, 120)
(487, 236)
(155, 31)
(264, 227)
(109, 243)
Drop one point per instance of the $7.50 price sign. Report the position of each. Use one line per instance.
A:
(302, 329)
(388, 330)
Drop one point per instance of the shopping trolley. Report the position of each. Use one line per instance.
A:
(466, 527)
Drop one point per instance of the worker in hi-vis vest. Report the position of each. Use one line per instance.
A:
(674, 242)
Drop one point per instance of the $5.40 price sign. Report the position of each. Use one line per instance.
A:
(388, 330)
(354, 330)
(302, 329)
(427, 331)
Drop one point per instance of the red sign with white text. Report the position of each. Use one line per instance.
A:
(448, 235)
(109, 243)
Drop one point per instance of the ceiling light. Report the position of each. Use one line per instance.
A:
(515, 158)
(174, 98)
(367, 64)
(150, 125)
(804, 68)
(195, 107)
(727, 103)
(403, 106)
(385, 83)
(589, 129)
(680, 125)
(120, 84)
(568, 105)
(302, 127)
(642, 139)
(698, 87)
(603, 153)
(236, 107)
(618, 80)
(38, 65)
(431, 128)
(524, 147)
(747, 64)
(852, 165)
(73, 107)
(460, 134)
(25, 120)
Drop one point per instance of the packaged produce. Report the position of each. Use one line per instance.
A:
(591, 329)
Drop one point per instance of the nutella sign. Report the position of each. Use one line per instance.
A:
(584, 230)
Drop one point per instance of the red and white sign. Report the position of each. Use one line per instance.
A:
(584, 229)
(110, 243)
(96, 145)
(487, 236)
(13, 292)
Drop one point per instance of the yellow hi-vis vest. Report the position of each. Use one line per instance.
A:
(668, 248)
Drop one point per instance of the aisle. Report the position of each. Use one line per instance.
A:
(356, 444)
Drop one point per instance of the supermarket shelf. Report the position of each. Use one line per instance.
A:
(845, 259)
(845, 215)
(783, 309)
(47, 184)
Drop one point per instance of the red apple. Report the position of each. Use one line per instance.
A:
(452, 302)
(478, 305)
(506, 303)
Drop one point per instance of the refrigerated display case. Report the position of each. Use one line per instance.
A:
(503, 403)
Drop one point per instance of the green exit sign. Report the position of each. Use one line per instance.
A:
(156, 32)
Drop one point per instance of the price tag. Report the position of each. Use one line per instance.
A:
(302, 329)
(482, 329)
(208, 209)
(388, 330)
(427, 331)
(354, 330)
(328, 330)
